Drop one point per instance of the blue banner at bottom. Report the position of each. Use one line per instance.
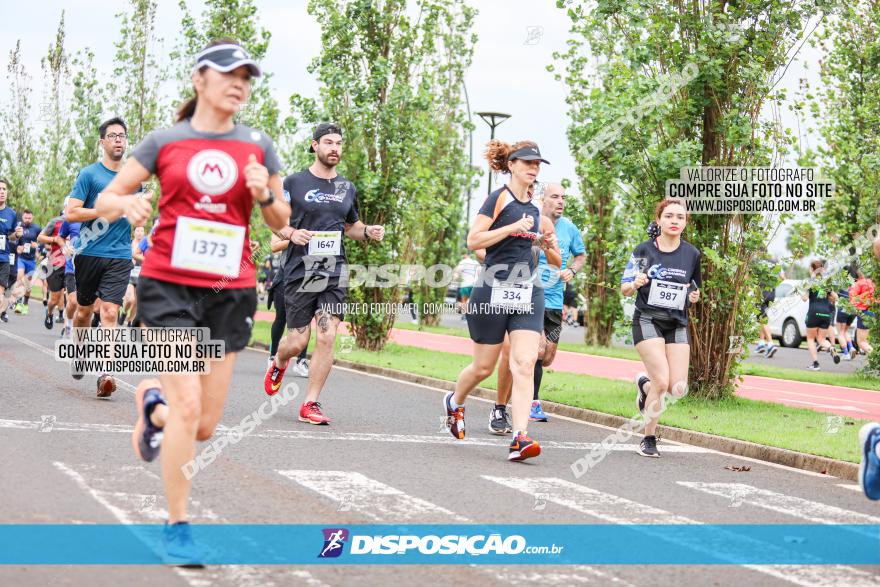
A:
(794, 544)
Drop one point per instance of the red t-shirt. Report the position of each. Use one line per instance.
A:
(203, 187)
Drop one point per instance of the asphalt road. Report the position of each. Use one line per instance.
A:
(67, 459)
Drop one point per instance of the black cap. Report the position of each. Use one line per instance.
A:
(325, 128)
(224, 58)
(528, 153)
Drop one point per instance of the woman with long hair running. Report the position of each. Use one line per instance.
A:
(212, 172)
(505, 299)
(664, 273)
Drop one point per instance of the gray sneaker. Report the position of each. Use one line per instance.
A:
(499, 421)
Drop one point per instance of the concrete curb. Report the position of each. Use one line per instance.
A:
(824, 465)
(840, 469)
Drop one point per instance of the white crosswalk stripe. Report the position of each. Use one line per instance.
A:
(103, 485)
(804, 509)
(618, 510)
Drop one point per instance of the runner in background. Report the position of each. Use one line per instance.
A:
(68, 233)
(861, 296)
(819, 313)
(27, 262)
(664, 275)
(55, 267)
(10, 232)
(129, 302)
(275, 295)
(177, 284)
(465, 274)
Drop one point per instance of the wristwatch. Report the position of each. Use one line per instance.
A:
(269, 201)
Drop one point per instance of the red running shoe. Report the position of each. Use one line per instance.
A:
(523, 448)
(274, 376)
(311, 412)
(106, 385)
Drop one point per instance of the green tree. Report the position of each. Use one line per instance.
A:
(391, 76)
(137, 75)
(684, 84)
(847, 108)
(86, 111)
(20, 164)
(801, 239)
(57, 175)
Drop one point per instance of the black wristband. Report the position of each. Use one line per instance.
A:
(269, 201)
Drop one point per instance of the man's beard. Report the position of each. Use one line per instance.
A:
(325, 160)
(114, 156)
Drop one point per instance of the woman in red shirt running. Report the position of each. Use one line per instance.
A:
(200, 271)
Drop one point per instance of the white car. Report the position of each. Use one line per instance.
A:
(787, 313)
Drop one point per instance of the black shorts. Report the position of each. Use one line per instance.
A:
(55, 280)
(818, 320)
(646, 327)
(568, 297)
(301, 306)
(860, 322)
(228, 313)
(133, 278)
(5, 271)
(70, 283)
(843, 317)
(488, 324)
(552, 325)
(99, 277)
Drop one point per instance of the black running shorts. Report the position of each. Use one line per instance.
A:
(552, 325)
(55, 280)
(98, 277)
(646, 327)
(303, 302)
(228, 313)
(487, 324)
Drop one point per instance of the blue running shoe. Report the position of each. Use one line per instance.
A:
(147, 438)
(180, 549)
(537, 414)
(869, 467)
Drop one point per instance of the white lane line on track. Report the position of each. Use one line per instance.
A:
(357, 493)
(827, 406)
(51, 352)
(593, 425)
(811, 511)
(370, 498)
(618, 510)
(848, 486)
(443, 439)
(122, 505)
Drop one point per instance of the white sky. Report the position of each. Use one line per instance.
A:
(508, 73)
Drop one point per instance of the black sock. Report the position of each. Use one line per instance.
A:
(96, 319)
(539, 374)
(27, 299)
(303, 355)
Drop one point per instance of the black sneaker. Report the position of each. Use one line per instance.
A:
(834, 356)
(814, 367)
(4, 317)
(48, 322)
(60, 318)
(120, 318)
(146, 439)
(641, 396)
(499, 421)
(648, 447)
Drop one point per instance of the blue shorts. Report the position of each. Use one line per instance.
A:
(29, 265)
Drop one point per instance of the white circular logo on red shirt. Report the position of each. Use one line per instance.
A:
(212, 172)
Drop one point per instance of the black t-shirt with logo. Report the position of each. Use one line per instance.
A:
(318, 205)
(679, 266)
(513, 254)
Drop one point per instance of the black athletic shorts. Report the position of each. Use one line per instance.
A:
(552, 325)
(568, 297)
(55, 280)
(818, 320)
(5, 270)
(70, 283)
(301, 306)
(646, 327)
(98, 277)
(13, 276)
(860, 322)
(487, 324)
(228, 313)
(845, 318)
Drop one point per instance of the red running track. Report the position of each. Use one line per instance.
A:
(833, 399)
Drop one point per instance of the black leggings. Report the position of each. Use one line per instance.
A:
(280, 323)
